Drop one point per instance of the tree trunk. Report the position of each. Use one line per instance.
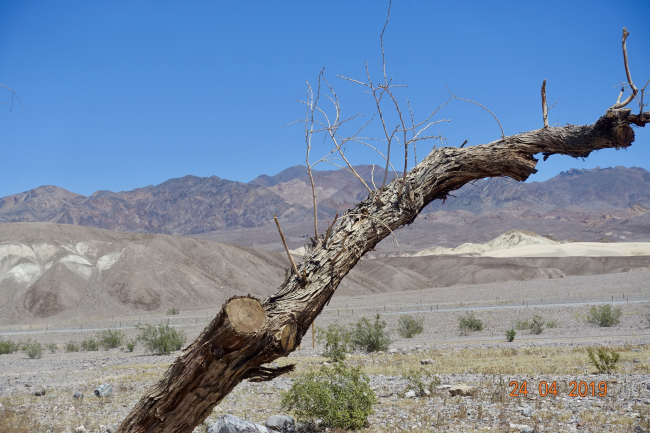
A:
(248, 333)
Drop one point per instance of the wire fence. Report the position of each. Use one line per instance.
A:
(204, 317)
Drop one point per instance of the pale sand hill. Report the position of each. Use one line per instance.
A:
(520, 243)
(511, 239)
(577, 249)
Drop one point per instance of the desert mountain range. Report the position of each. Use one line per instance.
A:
(584, 205)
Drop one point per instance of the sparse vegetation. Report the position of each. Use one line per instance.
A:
(111, 339)
(52, 347)
(420, 380)
(521, 325)
(552, 324)
(536, 325)
(337, 341)
(339, 395)
(510, 335)
(371, 337)
(130, 345)
(409, 326)
(469, 323)
(173, 311)
(604, 315)
(606, 363)
(71, 346)
(8, 346)
(160, 340)
(90, 345)
(33, 349)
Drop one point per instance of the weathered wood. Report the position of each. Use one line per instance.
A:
(245, 315)
(229, 351)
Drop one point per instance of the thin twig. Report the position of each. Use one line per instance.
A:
(643, 93)
(13, 93)
(503, 135)
(628, 74)
(544, 107)
(286, 248)
(620, 95)
(332, 133)
(464, 143)
(309, 131)
(381, 41)
(415, 152)
(329, 229)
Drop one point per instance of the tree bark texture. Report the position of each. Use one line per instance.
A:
(247, 333)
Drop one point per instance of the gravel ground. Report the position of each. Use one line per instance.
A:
(482, 359)
(625, 405)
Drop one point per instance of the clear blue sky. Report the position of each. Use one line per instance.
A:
(124, 94)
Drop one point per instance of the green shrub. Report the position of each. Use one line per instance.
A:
(420, 380)
(339, 395)
(469, 323)
(71, 346)
(173, 311)
(510, 335)
(371, 337)
(551, 324)
(52, 347)
(130, 345)
(536, 325)
(111, 338)
(521, 325)
(34, 349)
(604, 315)
(8, 346)
(606, 363)
(160, 340)
(409, 326)
(337, 341)
(90, 345)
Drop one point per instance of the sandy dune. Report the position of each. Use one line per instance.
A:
(520, 243)
(577, 249)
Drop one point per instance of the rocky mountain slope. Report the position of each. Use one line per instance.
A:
(69, 271)
(581, 204)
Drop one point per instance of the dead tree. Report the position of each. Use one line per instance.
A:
(248, 333)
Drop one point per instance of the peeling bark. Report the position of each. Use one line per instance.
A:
(247, 333)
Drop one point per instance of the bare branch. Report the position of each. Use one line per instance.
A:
(309, 131)
(483, 107)
(415, 153)
(332, 133)
(372, 176)
(13, 93)
(629, 76)
(381, 41)
(286, 248)
(329, 230)
(544, 108)
(618, 100)
(464, 143)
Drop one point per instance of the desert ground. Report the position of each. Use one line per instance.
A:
(483, 359)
